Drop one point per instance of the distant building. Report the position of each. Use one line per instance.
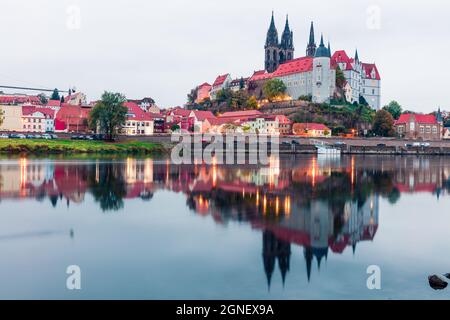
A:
(203, 92)
(363, 78)
(419, 126)
(446, 134)
(221, 82)
(72, 118)
(311, 130)
(138, 121)
(12, 118)
(76, 99)
(38, 119)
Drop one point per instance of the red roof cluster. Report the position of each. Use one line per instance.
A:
(299, 65)
(341, 56)
(13, 99)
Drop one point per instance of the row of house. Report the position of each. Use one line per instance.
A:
(22, 113)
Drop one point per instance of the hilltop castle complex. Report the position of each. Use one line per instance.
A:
(313, 74)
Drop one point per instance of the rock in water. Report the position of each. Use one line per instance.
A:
(447, 275)
(437, 283)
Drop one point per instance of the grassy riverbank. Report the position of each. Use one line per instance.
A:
(22, 146)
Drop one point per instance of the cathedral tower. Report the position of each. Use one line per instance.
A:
(311, 47)
(287, 44)
(272, 49)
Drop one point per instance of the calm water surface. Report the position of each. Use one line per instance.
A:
(304, 227)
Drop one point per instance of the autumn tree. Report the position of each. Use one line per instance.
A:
(383, 124)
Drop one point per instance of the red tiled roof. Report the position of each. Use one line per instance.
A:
(237, 114)
(220, 80)
(313, 126)
(53, 103)
(368, 67)
(17, 99)
(206, 84)
(181, 112)
(136, 113)
(202, 115)
(299, 65)
(419, 118)
(341, 56)
(29, 110)
(72, 114)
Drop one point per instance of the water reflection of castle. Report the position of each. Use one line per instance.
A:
(319, 204)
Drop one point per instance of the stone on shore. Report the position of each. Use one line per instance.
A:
(437, 283)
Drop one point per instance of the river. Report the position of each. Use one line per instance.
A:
(302, 227)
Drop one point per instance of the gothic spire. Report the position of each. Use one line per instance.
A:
(321, 50)
(329, 49)
(287, 37)
(272, 33)
(356, 55)
(311, 46)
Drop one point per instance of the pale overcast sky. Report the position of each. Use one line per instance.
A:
(162, 49)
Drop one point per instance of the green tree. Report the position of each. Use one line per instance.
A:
(340, 78)
(109, 114)
(55, 95)
(175, 127)
(192, 96)
(394, 108)
(274, 88)
(241, 84)
(43, 98)
(383, 124)
(363, 101)
(252, 103)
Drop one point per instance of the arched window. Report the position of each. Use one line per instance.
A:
(275, 55)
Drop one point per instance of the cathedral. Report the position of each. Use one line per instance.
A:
(315, 73)
(278, 52)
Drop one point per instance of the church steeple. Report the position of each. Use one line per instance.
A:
(329, 49)
(272, 33)
(356, 56)
(272, 47)
(287, 43)
(311, 47)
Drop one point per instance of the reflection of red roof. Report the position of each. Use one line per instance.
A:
(419, 118)
(368, 68)
(220, 80)
(419, 187)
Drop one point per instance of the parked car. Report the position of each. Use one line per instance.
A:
(30, 136)
(37, 136)
(408, 145)
(99, 137)
(54, 136)
(75, 137)
(425, 144)
(88, 137)
(416, 144)
(46, 136)
(381, 145)
(21, 136)
(4, 136)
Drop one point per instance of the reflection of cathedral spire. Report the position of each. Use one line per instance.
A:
(269, 243)
(273, 249)
(308, 258)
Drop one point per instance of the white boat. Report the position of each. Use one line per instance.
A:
(323, 148)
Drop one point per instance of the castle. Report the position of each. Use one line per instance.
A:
(315, 74)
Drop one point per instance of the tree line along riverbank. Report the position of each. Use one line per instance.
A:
(60, 146)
